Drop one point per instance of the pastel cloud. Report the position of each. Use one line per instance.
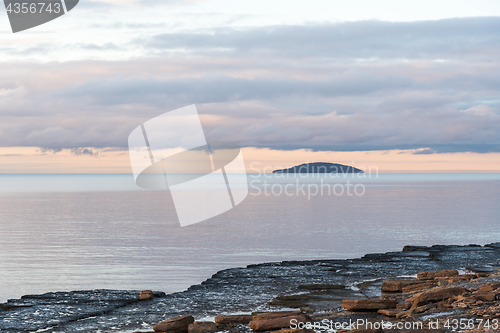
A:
(367, 85)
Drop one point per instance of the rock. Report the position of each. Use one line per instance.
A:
(202, 326)
(411, 312)
(232, 320)
(268, 315)
(424, 308)
(390, 312)
(488, 287)
(459, 278)
(175, 325)
(277, 320)
(146, 294)
(396, 285)
(436, 295)
(443, 283)
(403, 305)
(482, 274)
(484, 296)
(368, 304)
(419, 286)
(404, 314)
(435, 274)
(466, 299)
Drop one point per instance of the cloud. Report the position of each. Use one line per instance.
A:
(221, 88)
(84, 151)
(443, 39)
(424, 151)
(429, 86)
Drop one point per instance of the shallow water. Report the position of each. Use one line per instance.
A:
(69, 232)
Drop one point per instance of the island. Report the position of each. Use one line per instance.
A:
(320, 167)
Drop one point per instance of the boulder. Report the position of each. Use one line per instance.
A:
(146, 294)
(277, 320)
(175, 325)
(368, 304)
(435, 274)
(232, 320)
(202, 326)
(436, 295)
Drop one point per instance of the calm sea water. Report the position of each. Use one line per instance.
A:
(73, 232)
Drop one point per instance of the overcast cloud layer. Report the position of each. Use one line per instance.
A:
(339, 86)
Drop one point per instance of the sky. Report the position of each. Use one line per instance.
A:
(409, 86)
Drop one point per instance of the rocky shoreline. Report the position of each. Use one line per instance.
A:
(419, 285)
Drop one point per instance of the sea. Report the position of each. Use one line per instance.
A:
(65, 232)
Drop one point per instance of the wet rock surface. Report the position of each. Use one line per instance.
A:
(317, 286)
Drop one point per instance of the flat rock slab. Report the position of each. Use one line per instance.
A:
(396, 285)
(277, 322)
(435, 274)
(368, 304)
(419, 286)
(436, 295)
(233, 320)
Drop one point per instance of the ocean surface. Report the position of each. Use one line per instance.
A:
(89, 231)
